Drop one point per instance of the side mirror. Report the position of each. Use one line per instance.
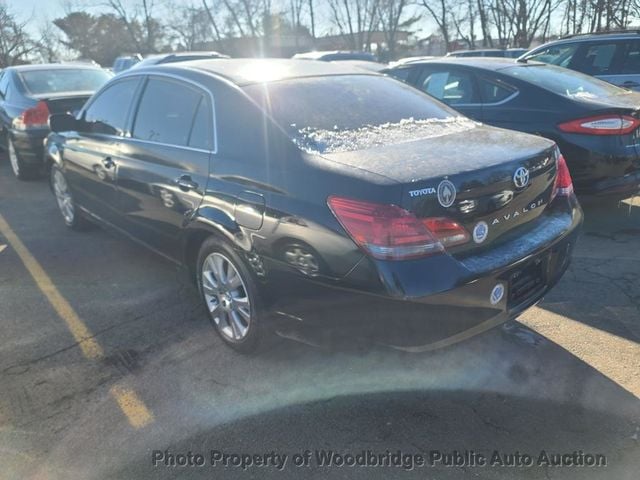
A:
(63, 122)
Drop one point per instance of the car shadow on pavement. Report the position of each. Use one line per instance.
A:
(602, 286)
(509, 390)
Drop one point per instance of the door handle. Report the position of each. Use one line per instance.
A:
(186, 183)
(107, 162)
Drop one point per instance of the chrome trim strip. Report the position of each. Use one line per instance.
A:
(494, 104)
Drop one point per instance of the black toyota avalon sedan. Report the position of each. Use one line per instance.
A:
(320, 194)
(595, 124)
(28, 95)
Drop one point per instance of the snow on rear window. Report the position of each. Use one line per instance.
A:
(319, 141)
(338, 113)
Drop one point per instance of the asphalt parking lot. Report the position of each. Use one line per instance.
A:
(107, 356)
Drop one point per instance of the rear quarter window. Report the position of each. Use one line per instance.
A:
(401, 74)
(495, 91)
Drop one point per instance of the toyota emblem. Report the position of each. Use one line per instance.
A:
(521, 177)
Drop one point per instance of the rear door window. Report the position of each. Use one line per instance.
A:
(453, 87)
(596, 58)
(560, 55)
(107, 113)
(166, 112)
(630, 58)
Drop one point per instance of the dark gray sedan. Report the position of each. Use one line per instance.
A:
(28, 95)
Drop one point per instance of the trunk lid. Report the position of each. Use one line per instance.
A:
(491, 181)
(64, 103)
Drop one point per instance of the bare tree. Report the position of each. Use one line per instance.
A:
(312, 19)
(441, 14)
(190, 25)
(356, 19)
(15, 42)
(212, 20)
(48, 45)
(464, 18)
(394, 16)
(145, 31)
(526, 18)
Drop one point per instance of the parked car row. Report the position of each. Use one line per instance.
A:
(330, 195)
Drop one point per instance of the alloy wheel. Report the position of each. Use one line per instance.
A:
(63, 196)
(226, 296)
(13, 158)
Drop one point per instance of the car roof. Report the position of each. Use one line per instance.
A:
(320, 53)
(486, 63)
(590, 37)
(203, 53)
(243, 71)
(476, 50)
(54, 66)
(408, 60)
(365, 64)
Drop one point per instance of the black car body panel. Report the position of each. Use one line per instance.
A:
(599, 164)
(259, 191)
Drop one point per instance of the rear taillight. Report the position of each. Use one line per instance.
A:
(449, 232)
(389, 232)
(602, 125)
(563, 185)
(34, 117)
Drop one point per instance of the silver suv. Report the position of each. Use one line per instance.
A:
(614, 57)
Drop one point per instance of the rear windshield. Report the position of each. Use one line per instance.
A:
(352, 112)
(565, 82)
(59, 81)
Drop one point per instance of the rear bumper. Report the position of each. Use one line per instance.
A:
(29, 145)
(602, 166)
(622, 187)
(432, 303)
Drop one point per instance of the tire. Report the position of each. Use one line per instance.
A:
(20, 170)
(231, 300)
(71, 215)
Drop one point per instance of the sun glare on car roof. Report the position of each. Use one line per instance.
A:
(263, 71)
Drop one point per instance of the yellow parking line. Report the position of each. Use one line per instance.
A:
(78, 329)
(135, 410)
(131, 405)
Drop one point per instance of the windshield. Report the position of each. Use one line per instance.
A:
(64, 80)
(564, 82)
(354, 112)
